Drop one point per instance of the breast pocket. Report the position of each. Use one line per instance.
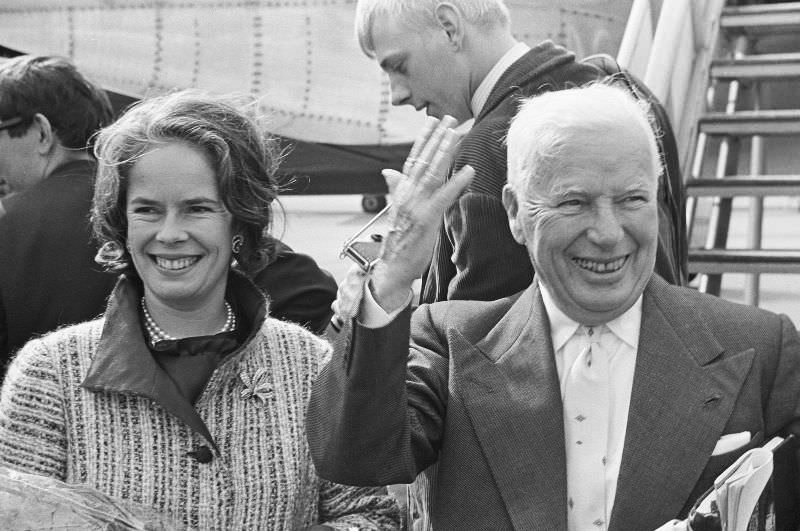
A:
(718, 463)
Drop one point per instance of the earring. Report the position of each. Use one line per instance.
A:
(236, 243)
(110, 251)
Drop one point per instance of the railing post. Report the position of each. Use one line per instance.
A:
(757, 167)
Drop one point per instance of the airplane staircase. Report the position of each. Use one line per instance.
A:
(729, 76)
(739, 123)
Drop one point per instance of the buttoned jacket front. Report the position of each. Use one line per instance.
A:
(89, 404)
(478, 393)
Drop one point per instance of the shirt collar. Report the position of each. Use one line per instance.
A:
(562, 327)
(481, 94)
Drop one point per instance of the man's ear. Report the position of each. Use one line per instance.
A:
(511, 204)
(451, 21)
(45, 135)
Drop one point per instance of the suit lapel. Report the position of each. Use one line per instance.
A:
(509, 386)
(683, 393)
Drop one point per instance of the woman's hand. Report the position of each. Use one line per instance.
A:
(421, 195)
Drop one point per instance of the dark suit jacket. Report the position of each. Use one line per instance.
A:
(478, 393)
(475, 257)
(48, 277)
(298, 290)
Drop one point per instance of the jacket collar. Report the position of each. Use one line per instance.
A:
(124, 364)
(486, 86)
(79, 167)
(82, 170)
(539, 62)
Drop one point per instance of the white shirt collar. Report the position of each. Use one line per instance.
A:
(481, 94)
(625, 327)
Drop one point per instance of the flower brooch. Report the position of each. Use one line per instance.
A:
(257, 385)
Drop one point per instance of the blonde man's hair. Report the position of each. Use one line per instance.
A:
(422, 13)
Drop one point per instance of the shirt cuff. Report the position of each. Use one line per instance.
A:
(372, 315)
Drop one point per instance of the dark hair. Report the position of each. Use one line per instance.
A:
(53, 87)
(226, 129)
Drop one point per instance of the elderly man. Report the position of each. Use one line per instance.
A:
(600, 397)
(460, 58)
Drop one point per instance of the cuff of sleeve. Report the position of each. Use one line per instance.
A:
(373, 316)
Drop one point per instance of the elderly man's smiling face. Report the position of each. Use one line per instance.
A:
(591, 224)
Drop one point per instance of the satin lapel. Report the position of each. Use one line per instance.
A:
(509, 386)
(684, 390)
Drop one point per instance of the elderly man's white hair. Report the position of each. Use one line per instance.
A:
(548, 126)
(422, 13)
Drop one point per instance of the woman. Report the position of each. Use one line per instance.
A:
(185, 397)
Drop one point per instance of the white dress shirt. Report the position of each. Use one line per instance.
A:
(372, 315)
(620, 346)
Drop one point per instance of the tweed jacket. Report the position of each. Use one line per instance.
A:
(477, 392)
(130, 442)
(476, 257)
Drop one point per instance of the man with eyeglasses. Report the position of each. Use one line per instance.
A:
(48, 114)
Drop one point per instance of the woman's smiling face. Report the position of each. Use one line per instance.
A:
(179, 231)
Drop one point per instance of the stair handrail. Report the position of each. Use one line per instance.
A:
(679, 50)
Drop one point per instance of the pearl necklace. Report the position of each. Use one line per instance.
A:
(157, 334)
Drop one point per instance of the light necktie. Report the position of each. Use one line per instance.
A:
(586, 418)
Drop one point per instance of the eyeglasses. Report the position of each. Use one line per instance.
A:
(11, 122)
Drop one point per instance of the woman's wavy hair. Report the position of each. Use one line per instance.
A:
(228, 130)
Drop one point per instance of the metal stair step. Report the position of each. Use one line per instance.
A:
(762, 18)
(745, 185)
(742, 123)
(765, 66)
(744, 261)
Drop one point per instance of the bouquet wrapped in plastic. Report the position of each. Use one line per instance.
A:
(29, 501)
